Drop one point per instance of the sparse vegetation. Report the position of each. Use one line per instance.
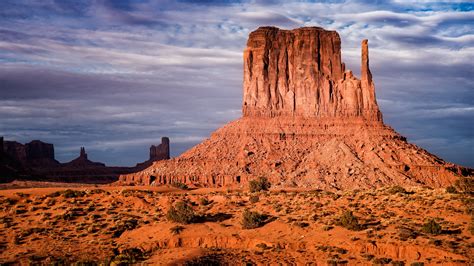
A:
(397, 190)
(451, 189)
(182, 212)
(349, 221)
(123, 226)
(97, 222)
(204, 201)
(176, 230)
(260, 184)
(251, 220)
(179, 185)
(381, 261)
(465, 185)
(128, 257)
(432, 227)
(254, 199)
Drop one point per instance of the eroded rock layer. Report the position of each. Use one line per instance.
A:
(306, 122)
(329, 154)
(300, 73)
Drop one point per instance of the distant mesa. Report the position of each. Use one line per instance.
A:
(36, 161)
(32, 154)
(306, 121)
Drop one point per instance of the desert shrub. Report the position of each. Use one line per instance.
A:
(432, 227)
(302, 224)
(204, 201)
(69, 193)
(381, 261)
(128, 257)
(327, 227)
(123, 226)
(397, 189)
(254, 199)
(465, 185)
(397, 263)
(349, 221)
(451, 189)
(209, 259)
(176, 230)
(259, 184)
(407, 233)
(182, 212)
(179, 185)
(251, 220)
(471, 227)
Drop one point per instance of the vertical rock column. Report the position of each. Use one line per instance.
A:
(162, 151)
(369, 102)
(300, 73)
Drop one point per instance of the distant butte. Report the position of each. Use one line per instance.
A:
(307, 122)
(36, 161)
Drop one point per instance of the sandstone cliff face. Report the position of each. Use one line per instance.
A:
(300, 73)
(306, 122)
(160, 152)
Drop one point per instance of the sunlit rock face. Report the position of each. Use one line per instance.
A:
(300, 73)
(307, 122)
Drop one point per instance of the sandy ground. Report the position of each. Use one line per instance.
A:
(106, 223)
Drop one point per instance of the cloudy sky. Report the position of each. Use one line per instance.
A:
(116, 75)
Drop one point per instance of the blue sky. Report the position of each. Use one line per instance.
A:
(116, 76)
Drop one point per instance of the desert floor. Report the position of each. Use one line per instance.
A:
(117, 224)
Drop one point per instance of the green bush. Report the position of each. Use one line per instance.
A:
(204, 201)
(397, 189)
(180, 185)
(176, 230)
(128, 257)
(432, 227)
(251, 220)
(259, 184)
(465, 185)
(182, 212)
(451, 189)
(69, 193)
(349, 221)
(123, 226)
(254, 199)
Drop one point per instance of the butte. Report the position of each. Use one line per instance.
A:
(306, 122)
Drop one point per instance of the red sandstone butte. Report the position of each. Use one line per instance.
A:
(307, 122)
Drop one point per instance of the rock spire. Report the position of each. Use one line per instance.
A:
(300, 73)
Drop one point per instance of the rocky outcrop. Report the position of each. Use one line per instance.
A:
(300, 73)
(33, 154)
(82, 162)
(157, 153)
(35, 161)
(160, 152)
